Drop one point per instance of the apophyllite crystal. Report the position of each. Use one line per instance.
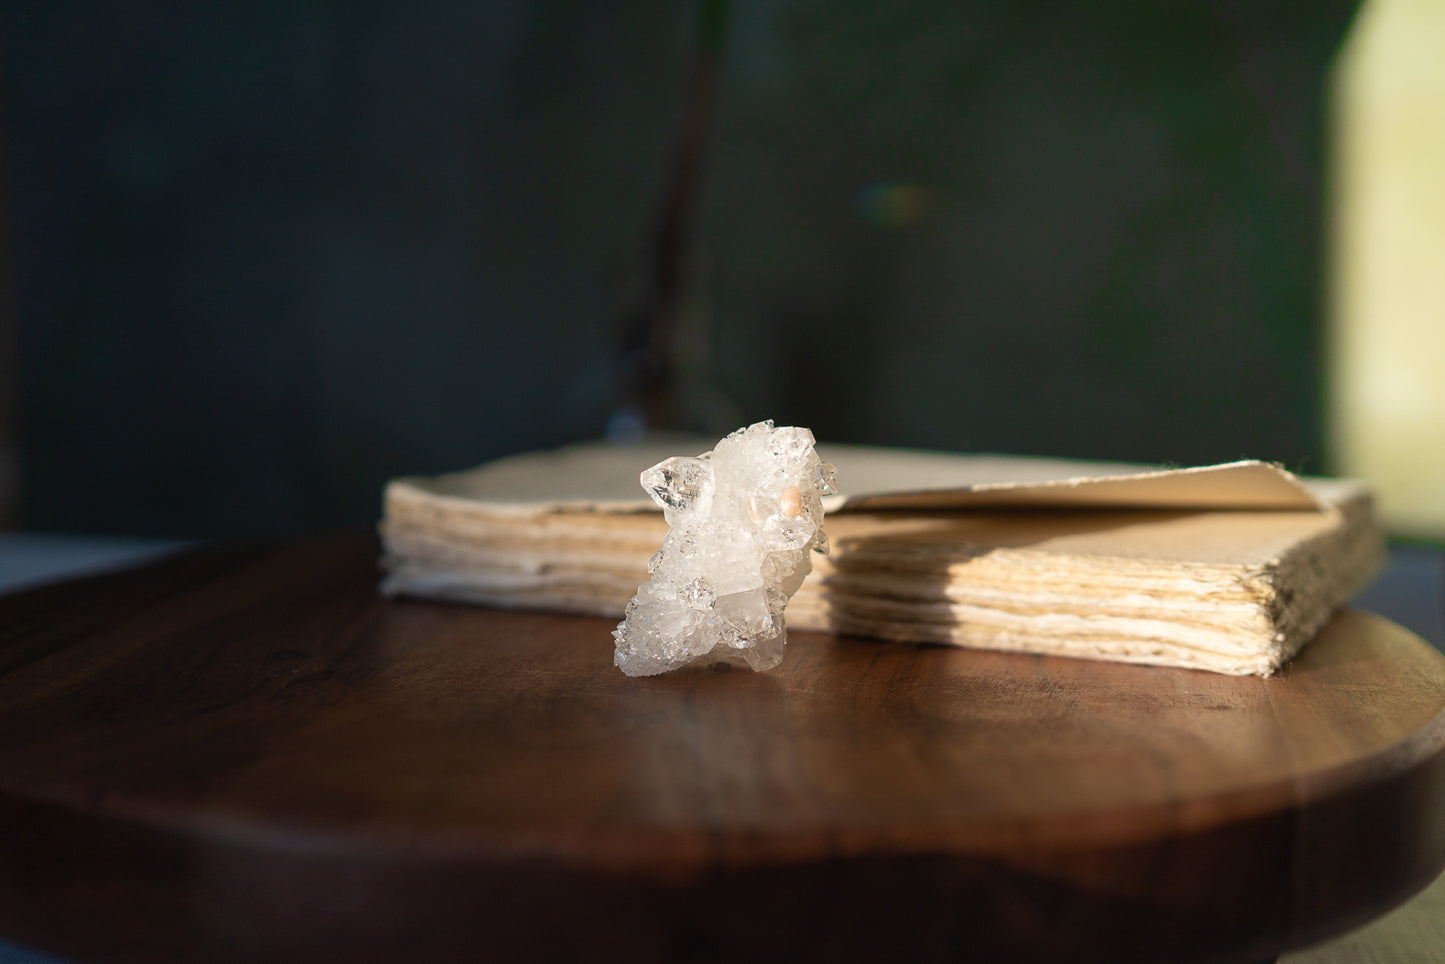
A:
(743, 519)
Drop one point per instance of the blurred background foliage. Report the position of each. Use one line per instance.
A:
(267, 255)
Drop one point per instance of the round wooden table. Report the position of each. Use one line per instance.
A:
(245, 754)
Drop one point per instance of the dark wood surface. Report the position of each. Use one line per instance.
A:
(245, 754)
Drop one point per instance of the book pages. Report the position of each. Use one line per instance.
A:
(1229, 568)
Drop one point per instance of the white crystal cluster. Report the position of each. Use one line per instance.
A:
(743, 519)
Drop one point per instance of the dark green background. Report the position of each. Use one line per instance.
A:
(267, 255)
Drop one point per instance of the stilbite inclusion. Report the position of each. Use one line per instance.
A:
(742, 520)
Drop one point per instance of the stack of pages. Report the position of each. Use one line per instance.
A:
(1230, 568)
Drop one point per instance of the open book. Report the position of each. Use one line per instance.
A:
(1230, 568)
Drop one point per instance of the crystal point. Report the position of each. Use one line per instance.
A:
(741, 521)
(680, 485)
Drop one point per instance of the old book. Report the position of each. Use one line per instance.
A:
(1230, 568)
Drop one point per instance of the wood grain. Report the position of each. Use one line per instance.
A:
(245, 754)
